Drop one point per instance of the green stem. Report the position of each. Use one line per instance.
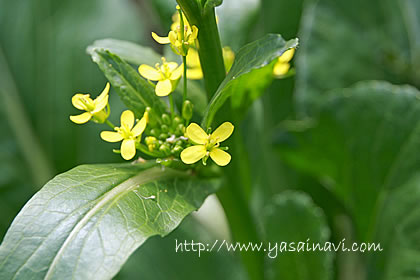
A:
(209, 46)
(184, 96)
(233, 196)
(110, 124)
(171, 103)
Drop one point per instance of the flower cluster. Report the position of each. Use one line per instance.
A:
(167, 137)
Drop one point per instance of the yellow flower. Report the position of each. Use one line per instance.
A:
(176, 21)
(166, 74)
(128, 133)
(206, 145)
(194, 71)
(95, 109)
(282, 65)
(180, 40)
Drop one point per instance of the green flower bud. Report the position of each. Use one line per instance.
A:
(164, 128)
(163, 136)
(187, 110)
(166, 119)
(180, 129)
(176, 150)
(164, 148)
(154, 132)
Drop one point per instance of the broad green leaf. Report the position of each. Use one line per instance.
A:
(363, 148)
(253, 56)
(135, 92)
(344, 42)
(85, 223)
(293, 217)
(127, 51)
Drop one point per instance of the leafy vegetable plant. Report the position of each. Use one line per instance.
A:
(85, 223)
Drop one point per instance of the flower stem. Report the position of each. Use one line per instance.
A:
(171, 103)
(184, 96)
(110, 124)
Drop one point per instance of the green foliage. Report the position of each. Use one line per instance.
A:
(351, 151)
(380, 43)
(86, 222)
(135, 92)
(254, 56)
(292, 217)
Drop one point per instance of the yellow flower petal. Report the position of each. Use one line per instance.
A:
(127, 119)
(140, 126)
(172, 37)
(163, 88)
(172, 66)
(194, 33)
(195, 73)
(287, 56)
(220, 157)
(100, 99)
(281, 69)
(222, 132)
(111, 136)
(160, 40)
(128, 149)
(193, 154)
(196, 134)
(176, 74)
(77, 102)
(193, 59)
(82, 118)
(149, 72)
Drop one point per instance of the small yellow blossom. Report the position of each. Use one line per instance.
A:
(166, 74)
(282, 65)
(96, 109)
(180, 40)
(128, 133)
(176, 20)
(194, 71)
(206, 145)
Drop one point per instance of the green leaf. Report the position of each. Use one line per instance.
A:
(292, 217)
(135, 92)
(363, 148)
(253, 56)
(85, 223)
(127, 51)
(363, 43)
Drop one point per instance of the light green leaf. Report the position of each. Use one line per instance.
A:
(363, 148)
(135, 92)
(253, 56)
(292, 217)
(85, 223)
(127, 51)
(379, 43)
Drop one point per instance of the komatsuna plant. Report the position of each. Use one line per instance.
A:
(85, 223)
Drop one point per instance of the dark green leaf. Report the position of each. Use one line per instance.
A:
(85, 223)
(135, 92)
(253, 56)
(292, 217)
(349, 41)
(127, 51)
(364, 149)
